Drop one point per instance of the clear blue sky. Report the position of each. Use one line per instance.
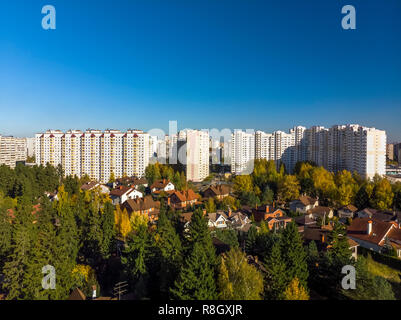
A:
(207, 63)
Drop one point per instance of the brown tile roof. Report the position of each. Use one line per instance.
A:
(380, 215)
(395, 235)
(141, 204)
(132, 181)
(359, 226)
(306, 200)
(351, 208)
(315, 234)
(160, 184)
(320, 210)
(215, 215)
(118, 192)
(89, 186)
(219, 190)
(187, 195)
(305, 220)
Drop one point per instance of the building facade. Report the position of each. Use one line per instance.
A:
(95, 153)
(342, 147)
(12, 150)
(197, 167)
(242, 152)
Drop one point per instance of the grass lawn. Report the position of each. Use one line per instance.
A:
(392, 275)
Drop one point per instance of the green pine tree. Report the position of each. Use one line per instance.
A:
(196, 280)
(276, 281)
(294, 255)
(170, 248)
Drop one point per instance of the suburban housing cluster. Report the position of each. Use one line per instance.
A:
(369, 228)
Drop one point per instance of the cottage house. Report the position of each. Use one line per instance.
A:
(144, 206)
(303, 204)
(162, 185)
(182, 199)
(374, 234)
(219, 191)
(385, 216)
(320, 235)
(322, 212)
(347, 211)
(265, 212)
(217, 220)
(123, 193)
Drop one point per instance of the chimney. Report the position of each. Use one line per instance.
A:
(204, 212)
(168, 200)
(322, 237)
(369, 227)
(229, 212)
(94, 292)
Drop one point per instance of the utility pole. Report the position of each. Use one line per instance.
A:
(120, 288)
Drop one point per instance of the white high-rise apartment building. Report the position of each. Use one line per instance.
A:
(71, 152)
(348, 147)
(265, 145)
(197, 155)
(12, 150)
(95, 153)
(317, 145)
(30, 147)
(90, 154)
(48, 148)
(300, 144)
(111, 151)
(284, 149)
(342, 147)
(242, 152)
(368, 152)
(281, 147)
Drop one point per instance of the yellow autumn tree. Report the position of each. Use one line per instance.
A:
(117, 218)
(122, 222)
(295, 291)
(237, 279)
(243, 184)
(125, 224)
(288, 188)
(63, 200)
(81, 272)
(137, 219)
(84, 277)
